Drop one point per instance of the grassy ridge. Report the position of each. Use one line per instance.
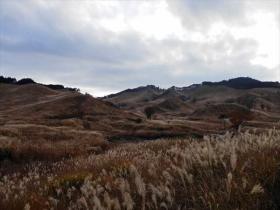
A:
(224, 172)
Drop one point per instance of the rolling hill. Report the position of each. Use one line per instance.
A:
(41, 115)
(38, 112)
(208, 101)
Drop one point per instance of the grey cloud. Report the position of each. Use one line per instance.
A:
(209, 61)
(201, 14)
(38, 42)
(21, 37)
(32, 40)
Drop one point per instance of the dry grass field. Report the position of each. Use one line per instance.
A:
(217, 172)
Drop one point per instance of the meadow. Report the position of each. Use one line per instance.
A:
(228, 171)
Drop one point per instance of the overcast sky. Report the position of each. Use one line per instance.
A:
(107, 46)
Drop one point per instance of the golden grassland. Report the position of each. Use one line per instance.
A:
(218, 172)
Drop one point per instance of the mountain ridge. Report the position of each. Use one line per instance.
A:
(236, 83)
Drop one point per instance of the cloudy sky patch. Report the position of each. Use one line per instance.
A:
(107, 46)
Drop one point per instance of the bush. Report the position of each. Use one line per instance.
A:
(25, 81)
(149, 111)
(7, 80)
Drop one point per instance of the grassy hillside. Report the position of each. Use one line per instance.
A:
(222, 172)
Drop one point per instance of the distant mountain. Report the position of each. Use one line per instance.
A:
(244, 83)
(151, 93)
(208, 100)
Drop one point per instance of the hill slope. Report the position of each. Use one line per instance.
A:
(208, 101)
(194, 110)
(37, 113)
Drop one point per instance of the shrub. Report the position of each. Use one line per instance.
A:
(149, 111)
(25, 81)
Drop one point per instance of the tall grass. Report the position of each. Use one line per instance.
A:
(222, 172)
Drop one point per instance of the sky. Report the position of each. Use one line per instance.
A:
(103, 46)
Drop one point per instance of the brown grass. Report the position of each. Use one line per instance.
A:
(23, 143)
(222, 172)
